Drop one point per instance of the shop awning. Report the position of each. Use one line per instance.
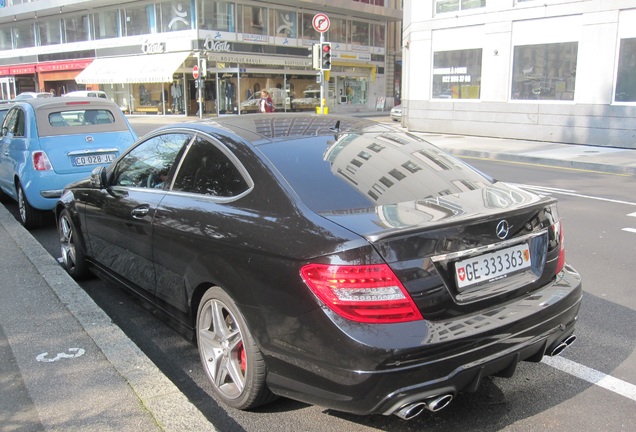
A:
(155, 68)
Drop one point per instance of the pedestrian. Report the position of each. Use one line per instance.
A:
(266, 105)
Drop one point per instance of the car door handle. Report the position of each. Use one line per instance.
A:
(139, 212)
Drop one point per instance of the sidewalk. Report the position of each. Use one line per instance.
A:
(65, 366)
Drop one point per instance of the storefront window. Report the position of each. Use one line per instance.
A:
(338, 30)
(49, 32)
(626, 78)
(23, 36)
(76, 29)
(353, 91)
(106, 24)
(545, 72)
(457, 74)
(309, 33)
(138, 19)
(175, 15)
(284, 23)
(253, 20)
(442, 6)
(360, 33)
(217, 15)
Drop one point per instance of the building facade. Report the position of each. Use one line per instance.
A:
(142, 53)
(548, 70)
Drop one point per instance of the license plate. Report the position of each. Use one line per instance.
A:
(492, 266)
(93, 159)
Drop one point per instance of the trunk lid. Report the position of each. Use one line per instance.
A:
(459, 253)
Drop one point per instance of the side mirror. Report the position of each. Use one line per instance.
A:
(99, 177)
(4, 131)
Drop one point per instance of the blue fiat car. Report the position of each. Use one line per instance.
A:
(46, 143)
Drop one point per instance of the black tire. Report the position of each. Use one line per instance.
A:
(231, 360)
(73, 256)
(30, 217)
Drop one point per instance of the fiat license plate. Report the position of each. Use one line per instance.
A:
(93, 159)
(492, 266)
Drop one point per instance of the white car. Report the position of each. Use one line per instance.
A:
(87, 93)
(396, 113)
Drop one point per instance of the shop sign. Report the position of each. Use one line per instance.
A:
(216, 46)
(21, 70)
(63, 66)
(153, 47)
(247, 37)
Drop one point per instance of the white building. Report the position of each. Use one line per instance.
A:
(549, 70)
(142, 52)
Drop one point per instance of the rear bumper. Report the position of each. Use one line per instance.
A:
(450, 357)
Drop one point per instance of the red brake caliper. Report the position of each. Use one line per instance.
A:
(243, 357)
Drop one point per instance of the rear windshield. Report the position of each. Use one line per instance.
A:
(80, 117)
(360, 171)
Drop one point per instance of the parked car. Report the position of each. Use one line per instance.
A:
(46, 143)
(33, 95)
(336, 261)
(87, 93)
(396, 113)
(310, 99)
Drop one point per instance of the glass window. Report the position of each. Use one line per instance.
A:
(138, 19)
(545, 71)
(49, 32)
(23, 36)
(106, 24)
(5, 38)
(359, 33)
(309, 33)
(338, 30)
(14, 123)
(217, 15)
(175, 15)
(626, 77)
(76, 29)
(253, 20)
(457, 74)
(149, 164)
(207, 170)
(442, 6)
(378, 35)
(284, 23)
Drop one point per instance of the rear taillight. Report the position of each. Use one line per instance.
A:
(41, 161)
(558, 231)
(365, 293)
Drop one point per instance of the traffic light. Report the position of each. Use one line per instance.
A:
(315, 56)
(325, 56)
(203, 68)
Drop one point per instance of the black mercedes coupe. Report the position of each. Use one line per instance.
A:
(333, 260)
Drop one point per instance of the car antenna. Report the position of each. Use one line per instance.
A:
(336, 130)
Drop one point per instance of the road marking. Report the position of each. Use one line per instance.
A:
(572, 193)
(78, 352)
(592, 376)
(631, 230)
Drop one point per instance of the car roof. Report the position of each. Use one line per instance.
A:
(261, 128)
(54, 102)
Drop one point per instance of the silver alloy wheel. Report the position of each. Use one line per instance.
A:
(221, 344)
(22, 205)
(67, 243)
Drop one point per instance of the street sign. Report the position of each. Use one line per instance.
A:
(321, 22)
(195, 71)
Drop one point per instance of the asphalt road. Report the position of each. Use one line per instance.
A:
(591, 390)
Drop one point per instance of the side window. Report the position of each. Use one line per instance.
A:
(149, 165)
(207, 170)
(15, 122)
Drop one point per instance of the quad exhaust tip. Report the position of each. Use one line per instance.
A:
(563, 345)
(433, 404)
